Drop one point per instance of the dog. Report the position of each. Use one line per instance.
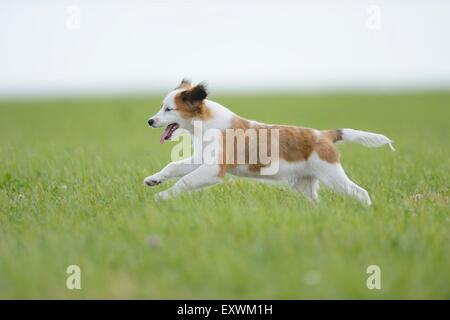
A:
(306, 158)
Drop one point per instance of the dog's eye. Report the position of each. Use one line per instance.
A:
(168, 109)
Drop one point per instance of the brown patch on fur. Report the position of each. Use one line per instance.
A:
(189, 110)
(295, 144)
(325, 147)
(333, 135)
(327, 150)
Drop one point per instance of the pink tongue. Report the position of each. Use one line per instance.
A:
(165, 134)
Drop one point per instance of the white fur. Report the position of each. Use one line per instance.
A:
(303, 176)
(367, 139)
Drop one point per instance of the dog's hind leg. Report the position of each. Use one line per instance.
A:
(335, 178)
(309, 186)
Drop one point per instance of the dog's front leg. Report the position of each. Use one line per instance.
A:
(205, 175)
(172, 170)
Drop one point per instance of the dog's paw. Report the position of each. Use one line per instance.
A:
(161, 196)
(152, 181)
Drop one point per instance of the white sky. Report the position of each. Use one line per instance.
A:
(149, 45)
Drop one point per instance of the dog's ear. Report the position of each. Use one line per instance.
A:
(195, 95)
(185, 84)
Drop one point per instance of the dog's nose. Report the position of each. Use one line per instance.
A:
(151, 122)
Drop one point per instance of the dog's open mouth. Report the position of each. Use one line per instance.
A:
(168, 131)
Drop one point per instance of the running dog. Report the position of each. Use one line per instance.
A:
(305, 157)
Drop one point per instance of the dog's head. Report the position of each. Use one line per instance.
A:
(179, 108)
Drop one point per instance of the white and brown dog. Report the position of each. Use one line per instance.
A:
(305, 157)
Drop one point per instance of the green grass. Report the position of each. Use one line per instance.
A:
(71, 192)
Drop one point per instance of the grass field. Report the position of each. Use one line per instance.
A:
(71, 192)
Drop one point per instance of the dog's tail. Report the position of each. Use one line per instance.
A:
(365, 138)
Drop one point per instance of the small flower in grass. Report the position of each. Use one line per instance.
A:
(21, 196)
(153, 241)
